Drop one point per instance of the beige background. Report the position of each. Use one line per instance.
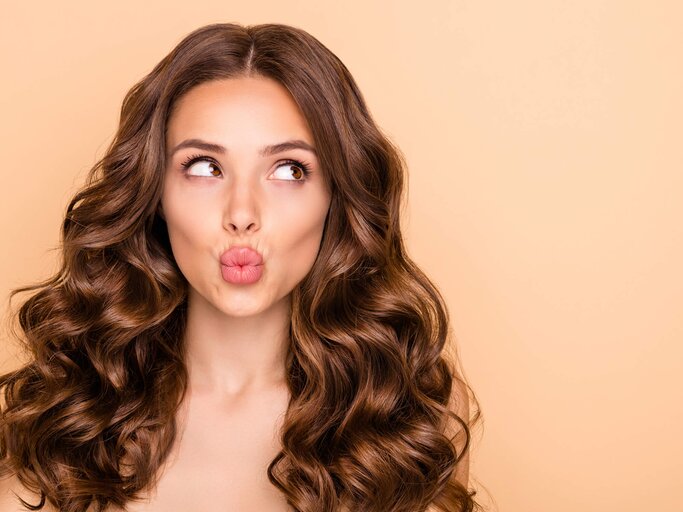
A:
(544, 144)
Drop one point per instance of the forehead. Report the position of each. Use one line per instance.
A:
(238, 109)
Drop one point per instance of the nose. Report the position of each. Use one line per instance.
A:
(241, 212)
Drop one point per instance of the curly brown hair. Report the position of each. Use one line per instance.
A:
(90, 418)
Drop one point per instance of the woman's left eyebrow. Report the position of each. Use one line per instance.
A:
(272, 149)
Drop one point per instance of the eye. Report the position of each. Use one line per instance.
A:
(301, 169)
(187, 164)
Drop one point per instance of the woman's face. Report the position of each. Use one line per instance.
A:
(239, 195)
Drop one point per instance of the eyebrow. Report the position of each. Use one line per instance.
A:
(272, 149)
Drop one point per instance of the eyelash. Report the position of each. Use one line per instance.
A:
(192, 159)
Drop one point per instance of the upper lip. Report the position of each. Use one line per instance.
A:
(241, 255)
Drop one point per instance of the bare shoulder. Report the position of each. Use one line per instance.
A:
(10, 488)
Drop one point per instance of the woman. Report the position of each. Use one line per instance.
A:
(236, 324)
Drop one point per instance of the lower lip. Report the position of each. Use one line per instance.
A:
(245, 274)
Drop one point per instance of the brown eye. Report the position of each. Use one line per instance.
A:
(293, 168)
(210, 166)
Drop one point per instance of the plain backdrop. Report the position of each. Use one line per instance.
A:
(545, 179)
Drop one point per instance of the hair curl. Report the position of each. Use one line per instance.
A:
(90, 419)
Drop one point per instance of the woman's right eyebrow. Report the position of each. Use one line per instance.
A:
(265, 151)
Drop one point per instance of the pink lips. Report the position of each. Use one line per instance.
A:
(241, 265)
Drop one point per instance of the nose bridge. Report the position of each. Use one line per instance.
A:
(241, 208)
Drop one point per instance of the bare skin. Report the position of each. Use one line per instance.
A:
(221, 460)
(236, 335)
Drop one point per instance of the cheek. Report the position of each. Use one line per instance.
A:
(298, 240)
(189, 232)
